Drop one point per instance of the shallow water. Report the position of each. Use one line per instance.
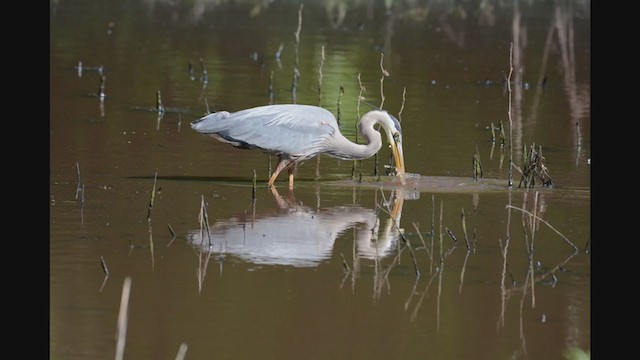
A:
(323, 271)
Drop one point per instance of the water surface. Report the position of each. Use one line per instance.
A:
(323, 271)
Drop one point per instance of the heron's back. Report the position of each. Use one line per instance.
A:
(291, 130)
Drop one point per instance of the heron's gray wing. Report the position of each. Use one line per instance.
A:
(291, 130)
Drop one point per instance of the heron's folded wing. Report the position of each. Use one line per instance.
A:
(292, 130)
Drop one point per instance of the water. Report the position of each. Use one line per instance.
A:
(323, 271)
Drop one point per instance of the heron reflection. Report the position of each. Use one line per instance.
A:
(301, 236)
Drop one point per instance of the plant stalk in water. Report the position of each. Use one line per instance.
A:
(123, 317)
(153, 196)
(159, 106)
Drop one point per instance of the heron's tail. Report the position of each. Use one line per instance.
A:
(208, 124)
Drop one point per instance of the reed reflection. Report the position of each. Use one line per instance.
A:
(299, 235)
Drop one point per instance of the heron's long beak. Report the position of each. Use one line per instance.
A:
(398, 157)
(394, 136)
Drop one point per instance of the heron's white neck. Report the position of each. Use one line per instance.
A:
(345, 149)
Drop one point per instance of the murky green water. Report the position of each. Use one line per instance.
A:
(322, 272)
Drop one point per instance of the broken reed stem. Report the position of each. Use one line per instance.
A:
(464, 266)
(360, 98)
(477, 165)
(202, 268)
(503, 288)
(320, 78)
(534, 225)
(153, 196)
(104, 282)
(344, 263)
(191, 72)
(587, 245)
(101, 87)
(532, 228)
(453, 237)
(78, 187)
(411, 294)
(356, 261)
(533, 293)
(339, 103)
(404, 93)
(524, 226)
(159, 106)
(474, 240)
(433, 234)
(182, 351)
(123, 315)
(270, 89)
(425, 292)
(104, 266)
(524, 294)
(424, 244)
(205, 76)
(510, 183)
(375, 167)
(493, 134)
(545, 222)
(384, 74)
(296, 64)
(206, 105)
(441, 209)
(279, 52)
(253, 193)
(297, 33)
(173, 233)
(533, 167)
(153, 262)
(205, 219)
(441, 271)
(464, 229)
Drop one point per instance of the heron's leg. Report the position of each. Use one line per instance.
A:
(282, 164)
(292, 170)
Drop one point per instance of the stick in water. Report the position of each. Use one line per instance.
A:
(123, 318)
(153, 196)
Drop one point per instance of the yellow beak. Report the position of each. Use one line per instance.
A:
(398, 157)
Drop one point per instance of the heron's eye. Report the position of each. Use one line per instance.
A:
(396, 137)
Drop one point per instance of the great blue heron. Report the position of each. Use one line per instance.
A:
(296, 133)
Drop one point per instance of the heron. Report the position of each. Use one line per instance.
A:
(296, 133)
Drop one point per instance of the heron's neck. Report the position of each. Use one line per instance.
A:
(351, 151)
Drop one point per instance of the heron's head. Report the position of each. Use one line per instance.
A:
(393, 129)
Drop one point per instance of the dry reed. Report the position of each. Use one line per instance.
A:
(153, 196)
(123, 316)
